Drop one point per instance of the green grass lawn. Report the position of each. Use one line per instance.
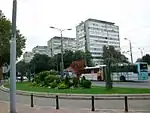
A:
(26, 86)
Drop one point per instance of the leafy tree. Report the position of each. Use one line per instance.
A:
(22, 67)
(56, 61)
(111, 56)
(5, 36)
(146, 58)
(52, 63)
(78, 67)
(80, 55)
(40, 63)
(139, 60)
(88, 57)
(43, 62)
(68, 58)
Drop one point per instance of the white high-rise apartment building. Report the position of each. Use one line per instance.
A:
(54, 45)
(40, 50)
(27, 56)
(93, 34)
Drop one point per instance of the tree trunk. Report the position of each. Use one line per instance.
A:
(1, 73)
(21, 78)
(109, 84)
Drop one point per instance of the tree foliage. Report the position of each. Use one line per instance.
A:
(40, 63)
(68, 58)
(5, 36)
(22, 67)
(145, 58)
(109, 53)
(78, 67)
(78, 55)
(111, 56)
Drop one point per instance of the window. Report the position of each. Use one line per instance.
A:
(143, 66)
(96, 49)
(96, 53)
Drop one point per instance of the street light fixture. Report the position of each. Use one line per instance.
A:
(130, 49)
(62, 59)
(52, 27)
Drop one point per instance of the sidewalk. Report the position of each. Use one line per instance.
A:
(4, 108)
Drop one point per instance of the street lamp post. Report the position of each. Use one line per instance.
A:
(130, 50)
(62, 59)
(141, 49)
(13, 61)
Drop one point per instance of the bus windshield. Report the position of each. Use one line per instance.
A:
(143, 66)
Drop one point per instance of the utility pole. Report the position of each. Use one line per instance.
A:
(62, 56)
(86, 48)
(13, 61)
(130, 50)
(141, 49)
(62, 59)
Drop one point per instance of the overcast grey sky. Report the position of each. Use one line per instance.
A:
(35, 16)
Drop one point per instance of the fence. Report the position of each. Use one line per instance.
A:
(93, 98)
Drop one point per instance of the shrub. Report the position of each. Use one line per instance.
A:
(82, 79)
(86, 84)
(49, 79)
(75, 82)
(68, 81)
(70, 84)
(41, 76)
(58, 80)
(62, 86)
(37, 79)
(53, 72)
(53, 85)
(35, 84)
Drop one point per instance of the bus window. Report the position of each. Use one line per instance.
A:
(143, 66)
(135, 69)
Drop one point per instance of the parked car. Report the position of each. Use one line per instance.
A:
(24, 78)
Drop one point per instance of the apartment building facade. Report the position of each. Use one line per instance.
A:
(93, 34)
(54, 45)
(27, 56)
(40, 50)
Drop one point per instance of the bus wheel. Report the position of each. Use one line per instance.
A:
(122, 79)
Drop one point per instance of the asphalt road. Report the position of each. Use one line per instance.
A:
(80, 104)
(131, 84)
(86, 104)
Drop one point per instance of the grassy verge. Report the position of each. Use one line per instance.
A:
(26, 86)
